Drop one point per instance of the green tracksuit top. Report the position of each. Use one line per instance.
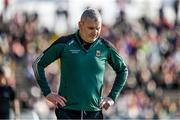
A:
(82, 71)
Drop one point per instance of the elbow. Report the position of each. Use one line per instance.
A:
(126, 72)
(123, 71)
(35, 65)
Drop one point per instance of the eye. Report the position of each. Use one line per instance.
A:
(91, 28)
(97, 28)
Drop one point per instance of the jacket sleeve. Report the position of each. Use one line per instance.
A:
(47, 57)
(119, 66)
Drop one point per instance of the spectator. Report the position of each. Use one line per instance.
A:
(7, 98)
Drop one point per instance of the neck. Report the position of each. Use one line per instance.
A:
(83, 38)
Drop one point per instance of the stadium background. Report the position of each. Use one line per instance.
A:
(145, 32)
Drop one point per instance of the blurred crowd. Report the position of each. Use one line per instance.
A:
(150, 47)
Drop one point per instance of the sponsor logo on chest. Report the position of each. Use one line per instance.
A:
(74, 51)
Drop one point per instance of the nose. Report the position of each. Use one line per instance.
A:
(95, 32)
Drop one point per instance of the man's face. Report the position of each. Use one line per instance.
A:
(90, 29)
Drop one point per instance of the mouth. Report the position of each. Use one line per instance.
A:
(93, 36)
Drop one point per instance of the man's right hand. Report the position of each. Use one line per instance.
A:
(56, 99)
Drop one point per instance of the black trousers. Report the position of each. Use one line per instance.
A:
(4, 115)
(74, 114)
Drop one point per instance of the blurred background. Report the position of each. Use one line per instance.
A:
(146, 33)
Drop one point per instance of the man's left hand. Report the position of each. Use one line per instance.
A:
(106, 103)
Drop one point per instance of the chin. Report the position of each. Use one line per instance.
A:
(93, 39)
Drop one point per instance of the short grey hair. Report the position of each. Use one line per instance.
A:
(92, 14)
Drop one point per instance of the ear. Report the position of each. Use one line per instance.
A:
(79, 24)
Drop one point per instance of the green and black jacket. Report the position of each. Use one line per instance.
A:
(82, 71)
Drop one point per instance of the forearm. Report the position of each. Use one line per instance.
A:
(119, 83)
(40, 77)
(16, 108)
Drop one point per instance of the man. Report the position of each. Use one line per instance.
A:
(83, 56)
(7, 99)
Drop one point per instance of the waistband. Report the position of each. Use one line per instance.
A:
(77, 111)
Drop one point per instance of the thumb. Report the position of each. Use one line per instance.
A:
(102, 103)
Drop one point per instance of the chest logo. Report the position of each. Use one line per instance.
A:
(98, 53)
(74, 51)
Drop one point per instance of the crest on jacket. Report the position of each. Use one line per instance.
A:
(98, 53)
